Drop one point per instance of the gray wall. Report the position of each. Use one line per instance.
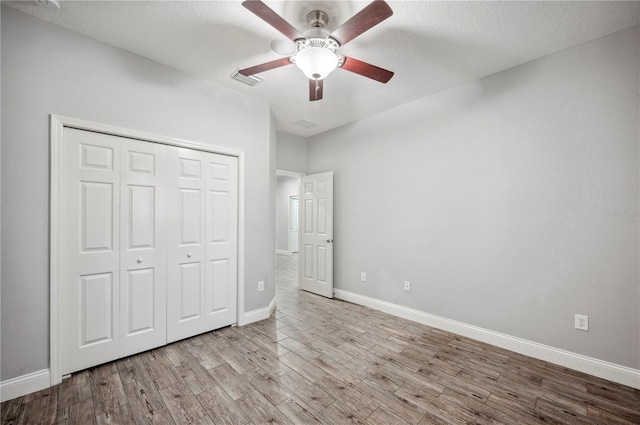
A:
(510, 203)
(291, 152)
(287, 186)
(291, 156)
(46, 69)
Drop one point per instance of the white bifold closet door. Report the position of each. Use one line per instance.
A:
(202, 242)
(126, 220)
(114, 205)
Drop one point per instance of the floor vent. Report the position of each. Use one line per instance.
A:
(305, 124)
(251, 80)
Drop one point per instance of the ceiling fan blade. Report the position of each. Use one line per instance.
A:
(366, 69)
(315, 89)
(265, 67)
(367, 18)
(265, 13)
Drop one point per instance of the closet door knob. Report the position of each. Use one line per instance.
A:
(139, 260)
(189, 255)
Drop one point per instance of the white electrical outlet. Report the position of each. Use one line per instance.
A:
(261, 286)
(582, 322)
(407, 285)
(363, 277)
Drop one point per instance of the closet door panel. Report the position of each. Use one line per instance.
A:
(141, 300)
(190, 296)
(222, 240)
(149, 254)
(90, 198)
(186, 248)
(143, 221)
(218, 291)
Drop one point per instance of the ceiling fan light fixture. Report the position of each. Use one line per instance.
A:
(316, 62)
(316, 48)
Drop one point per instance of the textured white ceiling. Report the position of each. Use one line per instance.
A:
(430, 45)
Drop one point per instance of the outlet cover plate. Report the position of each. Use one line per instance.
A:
(261, 286)
(407, 285)
(363, 277)
(582, 322)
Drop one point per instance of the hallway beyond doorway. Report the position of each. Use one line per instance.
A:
(286, 272)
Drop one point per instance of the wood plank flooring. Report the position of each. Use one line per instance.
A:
(320, 361)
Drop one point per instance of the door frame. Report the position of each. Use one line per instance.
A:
(289, 238)
(297, 175)
(57, 124)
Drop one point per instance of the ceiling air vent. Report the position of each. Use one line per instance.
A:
(305, 124)
(251, 80)
(51, 4)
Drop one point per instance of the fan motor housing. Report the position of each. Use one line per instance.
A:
(317, 19)
(317, 35)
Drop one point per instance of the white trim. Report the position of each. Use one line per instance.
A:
(142, 135)
(282, 252)
(289, 173)
(57, 125)
(602, 369)
(240, 300)
(289, 238)
(55, 272)
(258, 314)
(25, 384)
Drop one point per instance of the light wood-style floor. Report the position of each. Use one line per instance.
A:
(330, 362)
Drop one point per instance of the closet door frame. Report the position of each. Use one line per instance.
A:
(57, 125)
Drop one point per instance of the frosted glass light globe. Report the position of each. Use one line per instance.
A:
(316, 62)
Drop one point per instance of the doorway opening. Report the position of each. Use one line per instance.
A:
(287, 236)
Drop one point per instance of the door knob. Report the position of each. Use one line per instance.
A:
(329, 241)
(189, 255)
(139, 260)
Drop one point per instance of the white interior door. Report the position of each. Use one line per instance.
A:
(185, 289)
(201, 291)
(149, 245)
(316, 221)
(90, 220)
(143, 246)
(294, 202)
(221, 240)
(114, 255)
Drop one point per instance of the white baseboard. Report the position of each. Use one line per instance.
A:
(602, 369)
(36, 381)
(282, 252)
(259, 314)
(272, 306)
(25, 384)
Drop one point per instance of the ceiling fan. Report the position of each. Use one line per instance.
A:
(316, 48)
